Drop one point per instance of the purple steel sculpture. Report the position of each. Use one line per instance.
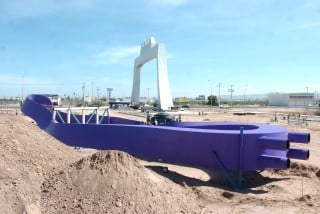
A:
(228, 145)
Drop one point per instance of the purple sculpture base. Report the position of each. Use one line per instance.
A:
(215, 145)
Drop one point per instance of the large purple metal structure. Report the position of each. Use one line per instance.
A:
(228, 145)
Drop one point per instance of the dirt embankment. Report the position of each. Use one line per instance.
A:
(27, 155)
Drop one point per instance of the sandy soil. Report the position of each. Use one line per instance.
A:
(27, 155)
(39, 174)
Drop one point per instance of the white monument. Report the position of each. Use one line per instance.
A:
(151, 50)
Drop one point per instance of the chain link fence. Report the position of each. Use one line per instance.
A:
(10, 106)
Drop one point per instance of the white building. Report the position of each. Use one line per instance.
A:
(291, 99)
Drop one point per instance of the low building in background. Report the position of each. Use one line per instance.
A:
(291, 99)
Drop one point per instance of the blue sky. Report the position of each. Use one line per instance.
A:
(261, 46)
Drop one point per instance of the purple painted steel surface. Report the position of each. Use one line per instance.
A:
(302, 154)
(299, 137)
(187, 143)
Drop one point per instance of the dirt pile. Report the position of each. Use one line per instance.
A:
(301, 170)
(26, 155)
(113, 182)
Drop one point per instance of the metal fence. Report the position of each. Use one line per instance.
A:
(10, 106)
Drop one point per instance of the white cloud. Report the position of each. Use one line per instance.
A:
(116, 55)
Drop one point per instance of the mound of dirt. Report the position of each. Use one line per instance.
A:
(113, 182)
(299, 169)
(303, 169)
(26, 155)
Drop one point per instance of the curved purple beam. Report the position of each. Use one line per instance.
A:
(186, 143)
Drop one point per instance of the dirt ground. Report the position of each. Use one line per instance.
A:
(39, 174)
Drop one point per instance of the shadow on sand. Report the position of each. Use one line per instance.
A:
(251, 180)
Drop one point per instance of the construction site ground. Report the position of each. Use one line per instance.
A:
(39, 174)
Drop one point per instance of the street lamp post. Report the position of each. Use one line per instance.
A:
(74, 98)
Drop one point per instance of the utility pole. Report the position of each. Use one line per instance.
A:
(98, 92)
(83, 92)
(148, 95)
(244, 94)
(109, 90)
(231, 90)
(22, 88)
(219, 86)
(210, 92)
(307, 87)
(91, 91)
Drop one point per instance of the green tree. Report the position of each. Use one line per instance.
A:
(212, 100)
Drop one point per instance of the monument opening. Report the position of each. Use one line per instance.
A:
(151, 50)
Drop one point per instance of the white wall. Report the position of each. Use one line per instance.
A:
(278, 99)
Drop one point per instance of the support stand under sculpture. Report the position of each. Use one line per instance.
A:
(152, 50)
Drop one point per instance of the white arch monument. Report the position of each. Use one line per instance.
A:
(151, 50)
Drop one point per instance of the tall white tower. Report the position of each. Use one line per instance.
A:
(151, 50)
